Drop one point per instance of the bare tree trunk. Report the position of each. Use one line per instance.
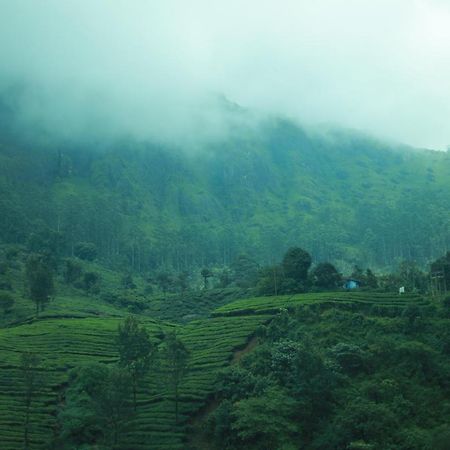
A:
(176, 403)
(134, 392)
(26, 441)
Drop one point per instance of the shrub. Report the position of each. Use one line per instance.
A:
(446, 302)
(90, 281)
(6, 301)
(72, 271)
(128, 282)
(86, 251)
(350, 357)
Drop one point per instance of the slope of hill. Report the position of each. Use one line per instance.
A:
(63, 343)
(351, 372)
(343, 196)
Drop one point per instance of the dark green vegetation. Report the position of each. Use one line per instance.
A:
(343, 196)
(369, 358)
(83, 372)
(335, 375)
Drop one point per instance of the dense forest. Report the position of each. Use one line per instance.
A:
(343, 196)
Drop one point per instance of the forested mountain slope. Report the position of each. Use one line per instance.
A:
(342, 195)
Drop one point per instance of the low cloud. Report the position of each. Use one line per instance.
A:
(161, 69)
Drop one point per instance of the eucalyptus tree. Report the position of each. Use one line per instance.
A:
(40, 281)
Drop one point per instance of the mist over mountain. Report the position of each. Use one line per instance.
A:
(343, 195)
(155, 70)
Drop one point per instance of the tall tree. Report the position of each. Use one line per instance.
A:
(441, 267)
(325, 276)
(164, 281)
(113, 400)
(40, 281)
(136, 351)
(176, 360)
(206, 273)
(371, 279)
(296, 263)
(182, 282)
(246, 271)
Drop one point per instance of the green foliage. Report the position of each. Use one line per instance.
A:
(85, 250)
(175, 364)
(354, 377)
(266, 422)
(165, 281)
(182, 282)
(31, 381)
(72, 271)
(325, 276)
(97, 407)
(245, 271)
(370, 279)
(441, 438)
(6, 301)
(294, 357)
(349, 357)
(446, 302)
(127, 281)
(296, 263)
(46, 242)
(270, 280)
(259, 192)
(91, 282)
(206, 273)
(236, 382)
(40, 281)
(136, 351)
(412, 277)
(442, 265)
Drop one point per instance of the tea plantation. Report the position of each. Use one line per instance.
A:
(65, 342)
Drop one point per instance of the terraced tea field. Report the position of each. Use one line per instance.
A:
(64, 343)
(271, 305)
(61, 344)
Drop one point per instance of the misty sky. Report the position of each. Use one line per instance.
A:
(157, 67)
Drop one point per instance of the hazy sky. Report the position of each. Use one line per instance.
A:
(155, 67)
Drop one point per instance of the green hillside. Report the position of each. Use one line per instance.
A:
(63, 343)
(350, 371)
(343, 196)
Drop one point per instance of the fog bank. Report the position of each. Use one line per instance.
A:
(162, 69)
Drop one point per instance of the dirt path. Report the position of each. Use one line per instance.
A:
(239, 354)
(197, 438)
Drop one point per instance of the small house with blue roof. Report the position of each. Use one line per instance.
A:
(351, 283)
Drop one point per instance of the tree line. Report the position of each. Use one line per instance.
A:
(294, 274)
